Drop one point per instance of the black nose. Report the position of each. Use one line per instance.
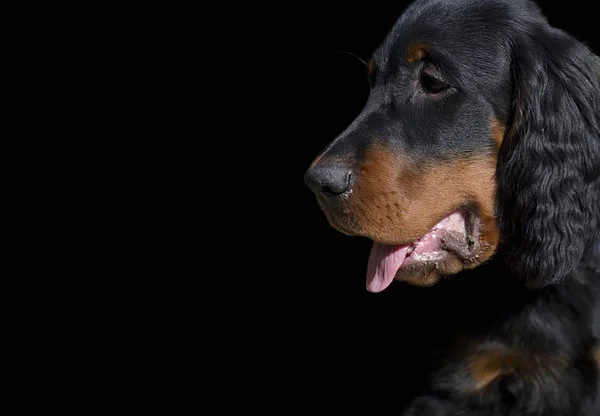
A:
(329, 180)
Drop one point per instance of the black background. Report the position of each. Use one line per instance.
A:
(346, 344)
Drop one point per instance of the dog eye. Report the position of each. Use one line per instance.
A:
(431, 84)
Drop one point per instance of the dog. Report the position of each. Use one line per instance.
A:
(477, 158)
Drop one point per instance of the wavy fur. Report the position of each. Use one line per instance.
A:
(549, 165)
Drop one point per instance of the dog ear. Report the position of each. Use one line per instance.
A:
(548, 173)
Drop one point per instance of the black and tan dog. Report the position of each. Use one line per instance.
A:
(478, 152)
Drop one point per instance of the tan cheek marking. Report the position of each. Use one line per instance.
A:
(480, 186)
(498, 130)
(377, 192)
(447, 187)
(596, 353)
(396, 199)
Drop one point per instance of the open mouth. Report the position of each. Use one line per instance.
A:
(457, 235)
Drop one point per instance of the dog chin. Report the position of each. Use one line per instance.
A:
(428, 273)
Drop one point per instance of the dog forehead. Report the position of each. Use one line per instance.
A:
(469, 31)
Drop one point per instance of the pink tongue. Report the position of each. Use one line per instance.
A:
(384, 263)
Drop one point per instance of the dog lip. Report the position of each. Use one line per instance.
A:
(457, 233)
(464, 213)
(461, 239)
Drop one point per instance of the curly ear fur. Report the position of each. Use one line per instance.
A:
(548, 174)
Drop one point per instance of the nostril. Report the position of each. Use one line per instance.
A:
(337, 188)
(327, 191)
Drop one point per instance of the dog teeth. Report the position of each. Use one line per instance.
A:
(410, 250)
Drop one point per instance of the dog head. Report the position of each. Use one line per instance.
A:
(480, 133)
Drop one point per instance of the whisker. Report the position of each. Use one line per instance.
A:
(356, 56)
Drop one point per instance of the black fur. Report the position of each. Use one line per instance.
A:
(549, 164)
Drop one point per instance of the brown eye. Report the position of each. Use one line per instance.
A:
(431, 84)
